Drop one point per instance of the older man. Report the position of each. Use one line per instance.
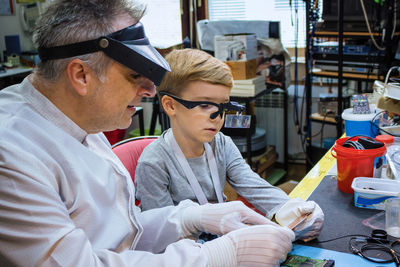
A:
(65, 198)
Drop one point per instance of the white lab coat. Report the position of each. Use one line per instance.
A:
(66, 200)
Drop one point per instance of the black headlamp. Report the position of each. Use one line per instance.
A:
(223, 107)
(128, 46)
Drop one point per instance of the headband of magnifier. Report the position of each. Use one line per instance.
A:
(128, 46)
(222, 107)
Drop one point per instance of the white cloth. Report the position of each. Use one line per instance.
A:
(255, 246)
(298, 209)
(66, 200)
(220, 218)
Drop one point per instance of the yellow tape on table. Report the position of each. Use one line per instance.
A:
(314, 177)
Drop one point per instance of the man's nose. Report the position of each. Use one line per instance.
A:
(147, 88)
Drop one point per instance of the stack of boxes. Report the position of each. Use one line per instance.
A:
(249, 87)
(239, 52)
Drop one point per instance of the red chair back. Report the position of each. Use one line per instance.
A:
(115, 136)
(129, 150)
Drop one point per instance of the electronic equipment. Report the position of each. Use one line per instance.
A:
(353, 16)
(348, 66)
(352, 58)
(302, 261)
(357, 58)
(333, 48)
(328, 105)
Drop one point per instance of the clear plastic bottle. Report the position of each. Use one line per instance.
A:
(392, 156)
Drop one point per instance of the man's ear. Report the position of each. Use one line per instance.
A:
(79, 76)
(168, 105)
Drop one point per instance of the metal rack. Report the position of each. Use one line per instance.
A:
(339, 75)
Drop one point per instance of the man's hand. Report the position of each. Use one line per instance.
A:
(219, 219)
(306, 215)
(261, 245)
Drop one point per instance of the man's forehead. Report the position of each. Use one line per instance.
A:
(123, 21)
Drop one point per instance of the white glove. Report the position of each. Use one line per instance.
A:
(261, 245)
(219, 219)
(307, 215)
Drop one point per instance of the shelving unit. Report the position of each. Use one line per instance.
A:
(247, 101)
(347, 75)
(319, 118)
(340, 75)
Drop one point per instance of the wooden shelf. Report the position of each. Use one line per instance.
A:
(317, 72)
(319, 117)
(348, 34)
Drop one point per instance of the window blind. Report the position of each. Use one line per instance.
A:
(225, 9)
(276, 10)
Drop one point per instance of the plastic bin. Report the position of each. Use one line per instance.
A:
(371, 193)
(353, 163)
(360, 124)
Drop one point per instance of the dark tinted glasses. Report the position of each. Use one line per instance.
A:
(207, 106)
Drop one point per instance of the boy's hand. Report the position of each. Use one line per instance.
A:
(308, 215)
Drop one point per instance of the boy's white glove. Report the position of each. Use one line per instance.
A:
(306, 215)
(261, 245)
(220, 218)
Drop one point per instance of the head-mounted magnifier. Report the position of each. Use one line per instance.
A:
(128, 46)
(223, 107)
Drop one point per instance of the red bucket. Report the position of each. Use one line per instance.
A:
(353, 163)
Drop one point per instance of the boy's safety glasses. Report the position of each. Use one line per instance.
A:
(214, 108)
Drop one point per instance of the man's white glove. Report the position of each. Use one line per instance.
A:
(306, 217)
(219, 219)
(260, 245)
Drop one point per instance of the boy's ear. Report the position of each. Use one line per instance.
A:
(168, 105)
(79, 76)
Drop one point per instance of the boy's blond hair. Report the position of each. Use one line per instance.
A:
(189, 65)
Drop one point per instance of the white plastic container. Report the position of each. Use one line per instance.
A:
(371, 193)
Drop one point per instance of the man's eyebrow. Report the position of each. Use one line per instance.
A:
(135, 75)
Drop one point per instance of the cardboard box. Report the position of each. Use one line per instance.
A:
(301, 69)
(235, 47)
(242, 70)
(288, 186)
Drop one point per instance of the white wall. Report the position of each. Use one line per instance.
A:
(11, 25)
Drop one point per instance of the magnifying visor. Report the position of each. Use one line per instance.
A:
(128, 46)
(217, 109)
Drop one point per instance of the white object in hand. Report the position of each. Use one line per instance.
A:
(304, 217)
